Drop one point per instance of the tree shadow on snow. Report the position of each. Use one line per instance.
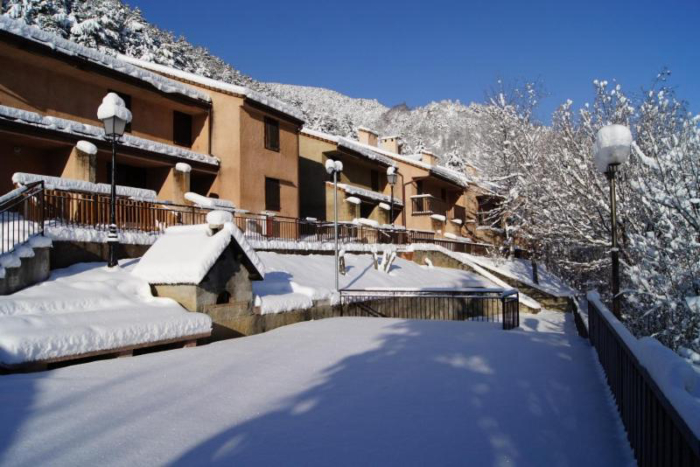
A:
(433, 393)
(421, 393)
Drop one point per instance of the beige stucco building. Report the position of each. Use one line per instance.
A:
(240, 146)
(255, 137)
(428, 197)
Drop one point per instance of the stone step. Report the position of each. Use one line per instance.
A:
(27, 265)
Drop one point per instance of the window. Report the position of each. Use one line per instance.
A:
(272, 194)
(375, 180)
(366, 210)
(128, 175)
(419, 187)
(127, 102)
(182, 129)
(272, 134)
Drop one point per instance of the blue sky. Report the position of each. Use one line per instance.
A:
(417, 52)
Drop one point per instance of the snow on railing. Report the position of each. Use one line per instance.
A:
(653, 389)
(365, 193)
(83, 130)
(68, 184)
(21, 218)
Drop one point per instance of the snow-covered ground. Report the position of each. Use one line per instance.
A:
(340, 391)
(295, 281)
(521, 270)
(89, 307)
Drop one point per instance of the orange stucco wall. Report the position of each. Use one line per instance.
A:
(49, 86)
(257, 162)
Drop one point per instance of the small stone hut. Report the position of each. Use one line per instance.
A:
(207, 268)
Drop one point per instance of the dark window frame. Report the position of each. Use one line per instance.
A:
(182, 129)
(272, 134)
(374, 180)
(273, 194)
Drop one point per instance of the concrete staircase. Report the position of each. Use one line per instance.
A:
(27, 264)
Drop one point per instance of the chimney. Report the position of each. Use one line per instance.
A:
(390, 143)
(367, 136)
(428, 157)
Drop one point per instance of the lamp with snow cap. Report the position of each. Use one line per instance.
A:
(392, 175)
(334, 168)
(612, 147)
(114, 116)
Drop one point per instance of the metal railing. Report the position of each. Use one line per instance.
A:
(21, 216)
(491, 305)
(656, 431)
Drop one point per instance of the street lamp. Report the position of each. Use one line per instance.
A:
(612, 147)
(114, 116)
(392, 174)
(334, 168)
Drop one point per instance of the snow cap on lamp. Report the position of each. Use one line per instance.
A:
(113, 114)
(612, 146)
(338, 166)
(330, 166)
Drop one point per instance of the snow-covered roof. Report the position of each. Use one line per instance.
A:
(69, 184)
(82, 130)
(320, 135)
(185, 254)
(363, 150)
(220, 86)
(365, 193)
(368, 130)
(66, 47)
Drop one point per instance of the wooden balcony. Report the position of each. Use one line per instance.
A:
(425, 205)
(458, 212)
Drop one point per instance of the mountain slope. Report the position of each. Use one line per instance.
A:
(448, 128)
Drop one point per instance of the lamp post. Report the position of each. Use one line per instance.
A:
(392, 174)
(114, 116)
(335, 168)
(612, 147)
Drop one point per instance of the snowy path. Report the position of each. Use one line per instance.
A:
(342, 391)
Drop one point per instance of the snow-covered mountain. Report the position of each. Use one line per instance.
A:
(448, 128)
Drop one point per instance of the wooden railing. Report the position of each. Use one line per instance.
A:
(428, 204)
(656, 431)
(63, 208)
(92, 210)
(458, 212)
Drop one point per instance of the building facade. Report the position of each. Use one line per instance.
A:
(50, 90)
(255, 138)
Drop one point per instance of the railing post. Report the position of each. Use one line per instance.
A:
(43, 203)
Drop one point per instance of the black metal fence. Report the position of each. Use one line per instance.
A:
(656, 431)
(492, 305)
(21, 216)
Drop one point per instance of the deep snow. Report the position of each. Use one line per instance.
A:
(295, 281)
(89, 307)
(521, 270)
(340, 391)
